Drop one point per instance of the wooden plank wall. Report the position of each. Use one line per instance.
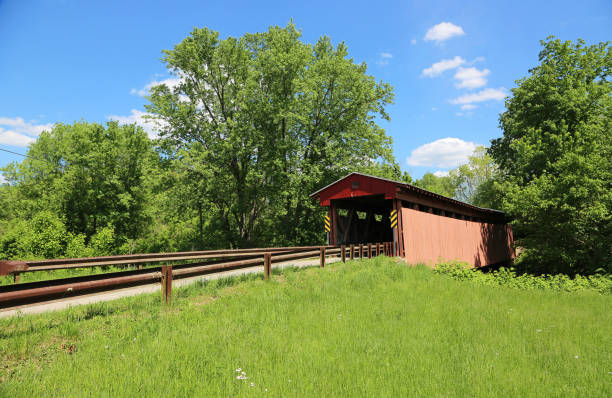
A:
(429, 238)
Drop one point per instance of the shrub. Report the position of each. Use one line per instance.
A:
(508, 277)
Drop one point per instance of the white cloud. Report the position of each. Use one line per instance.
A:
(445, 64)
(17, 132)
(488, 94)
(441, 173)
(384, 58)
(21, 126)
(2, 179)
(171, 82)
(443, 153)
(477, 59)
(468, 107)
(138, 117)
(471, 77)
(413, 41)
(9, 137)
(443, 31)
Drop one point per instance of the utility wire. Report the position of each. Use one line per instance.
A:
(26, 156)
(14, 153)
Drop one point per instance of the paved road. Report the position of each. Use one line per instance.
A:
(59, 304)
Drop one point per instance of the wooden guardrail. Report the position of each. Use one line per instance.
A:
(200, 263)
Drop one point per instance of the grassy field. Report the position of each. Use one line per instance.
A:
(365, 328)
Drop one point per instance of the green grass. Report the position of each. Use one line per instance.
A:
(365, 328)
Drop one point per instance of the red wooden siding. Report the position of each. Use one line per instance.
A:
(429, 238)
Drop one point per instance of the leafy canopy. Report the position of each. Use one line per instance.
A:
(556, 158)
(265, 119)
(78, 181)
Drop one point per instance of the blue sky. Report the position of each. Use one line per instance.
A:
(450, 62)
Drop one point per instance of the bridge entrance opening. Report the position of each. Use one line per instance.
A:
(363, 219)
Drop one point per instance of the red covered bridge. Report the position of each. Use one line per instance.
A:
(430, 227)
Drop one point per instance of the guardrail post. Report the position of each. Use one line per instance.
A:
(267, 265)
(343, 253)
(377, 249)
(166, 283)
(360, 251)
(352, 254)
(369, 250)
(16, 277)
(322, 257)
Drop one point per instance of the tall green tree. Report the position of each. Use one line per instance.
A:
(442, 185)
(556, 158)
(474, 181)
(88, 175)
(265, 119)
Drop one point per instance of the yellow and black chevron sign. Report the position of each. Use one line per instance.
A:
(327, 224)
(393, 218)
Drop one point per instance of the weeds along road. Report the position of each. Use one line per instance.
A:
(58, 304)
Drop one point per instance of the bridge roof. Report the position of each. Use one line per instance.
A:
(358, 185)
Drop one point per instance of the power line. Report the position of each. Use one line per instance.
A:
(26, 156)
(14, 153)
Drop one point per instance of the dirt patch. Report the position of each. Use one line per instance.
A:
(204, 300)
(223, 292)
(280, 279)
(40, 357)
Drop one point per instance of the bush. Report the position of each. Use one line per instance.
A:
(508, 277)
(45, 236)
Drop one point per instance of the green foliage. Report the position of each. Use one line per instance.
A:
(81, 191)
(257, 123)
(474, 182)
(318, 332)
(103, 242)
(442, 185)
(44, 236)
(509, 278)
(76, 247)
(555, 156)
(89, 175)
(47, 237)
